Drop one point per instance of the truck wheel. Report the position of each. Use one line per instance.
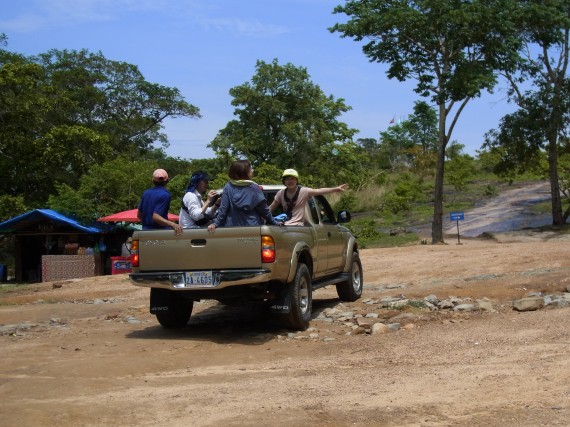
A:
(351, 290)
(301, 308)
(175, 310)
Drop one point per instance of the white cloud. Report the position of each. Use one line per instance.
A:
(34, 15)
(39, 14)
(26, 23)
(54, 13)
(243, 27)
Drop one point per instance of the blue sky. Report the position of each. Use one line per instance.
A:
(206, 47)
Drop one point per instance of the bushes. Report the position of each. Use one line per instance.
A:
(406, 189)
(347, 202)
(395, 203)
(364, 230)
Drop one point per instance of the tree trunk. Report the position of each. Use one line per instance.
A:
(566, 214)
(437, 224)
(557, 216)
(552, 134)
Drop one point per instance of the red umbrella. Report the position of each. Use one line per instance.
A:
(129, 216)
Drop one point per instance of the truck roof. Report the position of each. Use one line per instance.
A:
(265, 187)
(272, 187)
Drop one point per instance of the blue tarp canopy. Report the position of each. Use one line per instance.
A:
(37, 220)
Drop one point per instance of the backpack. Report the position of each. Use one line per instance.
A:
(291, 202)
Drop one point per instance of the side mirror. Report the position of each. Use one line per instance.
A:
(343, 216)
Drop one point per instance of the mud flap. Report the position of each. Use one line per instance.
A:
(159, 300)
(282, 304)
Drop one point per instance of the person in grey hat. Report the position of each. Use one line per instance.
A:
(194, 212)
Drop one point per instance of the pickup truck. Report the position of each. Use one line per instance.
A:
(281, 265)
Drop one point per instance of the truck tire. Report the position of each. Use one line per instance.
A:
(351, 290)
(301, 310)
(177, 309)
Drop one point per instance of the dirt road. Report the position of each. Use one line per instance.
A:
(88, 353)
(508, 211)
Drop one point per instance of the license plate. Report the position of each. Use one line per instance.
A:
(199, 278)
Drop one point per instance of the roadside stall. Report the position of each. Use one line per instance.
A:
(50, 246)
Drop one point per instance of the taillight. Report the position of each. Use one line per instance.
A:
(135, 253)
(267, 249)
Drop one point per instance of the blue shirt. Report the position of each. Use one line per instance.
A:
(156, 199)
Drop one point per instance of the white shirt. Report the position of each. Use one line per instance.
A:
(126, 249)
(193, 201)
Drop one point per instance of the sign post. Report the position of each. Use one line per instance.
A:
(457, 216)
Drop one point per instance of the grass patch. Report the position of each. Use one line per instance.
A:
(387, 241)
(10, 287)
(542, 207)
(415, 303)
(368, 232)
(6, 289)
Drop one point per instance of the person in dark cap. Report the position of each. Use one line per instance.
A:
(194, 212)
(155, 204)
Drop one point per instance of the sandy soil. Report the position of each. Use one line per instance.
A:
(88, 353)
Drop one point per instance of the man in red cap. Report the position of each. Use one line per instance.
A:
(155, 204)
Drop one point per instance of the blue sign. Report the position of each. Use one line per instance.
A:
(456, 216)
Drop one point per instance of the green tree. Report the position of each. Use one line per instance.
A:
(284, 119)
(488, 159)
(370, 145)
(459, 169)
(64, 111)
(518, 142)
(11, 206)
(111, 187)
(394, 146)
(454, 150)
(543, 116)
(413, 142)
(451, 48)
(421, 127)
(23, 108)
(372, 149)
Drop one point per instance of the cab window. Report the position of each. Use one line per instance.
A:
(323, 211)
(314, 210)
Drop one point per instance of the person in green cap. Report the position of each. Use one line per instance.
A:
(294, 197)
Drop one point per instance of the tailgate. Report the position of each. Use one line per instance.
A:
(196, 249)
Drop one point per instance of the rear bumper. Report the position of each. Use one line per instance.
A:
(175, 280)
